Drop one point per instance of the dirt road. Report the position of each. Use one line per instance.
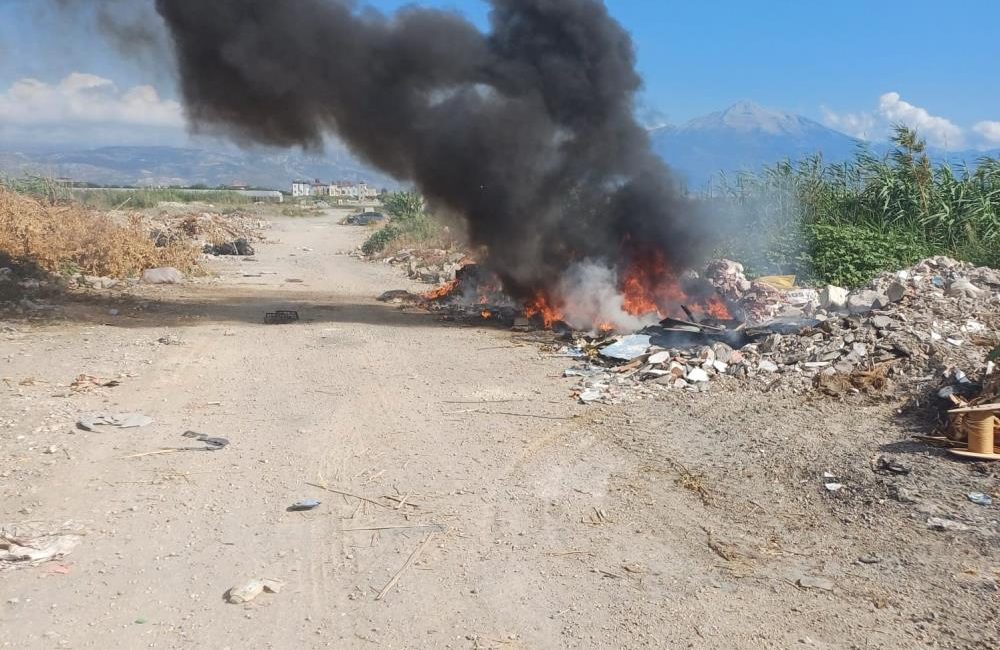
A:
(531, 521)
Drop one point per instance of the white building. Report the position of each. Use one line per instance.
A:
(301, 188)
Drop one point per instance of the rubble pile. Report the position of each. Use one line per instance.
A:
(433, 266)
(231, 233)
(934, 322)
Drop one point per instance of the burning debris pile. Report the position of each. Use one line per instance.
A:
(907, 330)
(936, 321)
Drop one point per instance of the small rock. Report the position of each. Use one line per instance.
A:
(869, 558)
(767, 365)
(833, 298)
(834, 487)
(940, 523)
(962, 288)
(697, 375)
(723, 352)
(895, 292)
(864, 301)
(892, 467)
(883, 322)
(659, 357)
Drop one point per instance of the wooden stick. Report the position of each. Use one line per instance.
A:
(400, 501)
(348, 494)
(516, 415)
(406, 565)
(435, 526)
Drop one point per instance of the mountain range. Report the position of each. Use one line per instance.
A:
(164, 166)
(742, 137)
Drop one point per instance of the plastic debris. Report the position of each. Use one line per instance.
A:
(16, 551)
(164, 275)
(980, 499)
(251, 589)
(305, 504)
(120, 420)
(211, 444)
(627, 348)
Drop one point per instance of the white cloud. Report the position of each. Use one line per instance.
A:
(86, 99)
(892, 109)
(858, 125)
(989, 130)
(939, 131)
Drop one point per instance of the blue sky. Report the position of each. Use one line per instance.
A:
(833, 62)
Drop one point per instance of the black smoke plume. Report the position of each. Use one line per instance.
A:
(527, 132)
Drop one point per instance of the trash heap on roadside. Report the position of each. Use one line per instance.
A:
(232, 233)
(906, 332)
(433, 266)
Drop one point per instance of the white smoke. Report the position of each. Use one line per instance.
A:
(591, 296)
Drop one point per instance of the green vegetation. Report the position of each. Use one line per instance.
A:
(409, 222)
(52, 191)
(846, 223)
(150, 198)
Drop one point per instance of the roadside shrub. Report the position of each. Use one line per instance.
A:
(850, 256)
(38, 236)
(844, 223)
(381, 238)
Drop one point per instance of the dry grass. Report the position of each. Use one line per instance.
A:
(68, 238)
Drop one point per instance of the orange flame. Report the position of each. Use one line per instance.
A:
(442, 291)
(486, 314)
(650, 286)
(541, 307)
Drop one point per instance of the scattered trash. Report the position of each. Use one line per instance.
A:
(164, 275)
(86, 382)
(211, 444)
(812, 582)
(281, 317)
(239, 246)
(940, 523)
(18, 551)
(980, 499)
(892, 467)
(170, 339)
(305, 504)
(627, 348)
(120, 420)
(251, 589)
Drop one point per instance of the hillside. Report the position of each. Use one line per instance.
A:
(152, 165)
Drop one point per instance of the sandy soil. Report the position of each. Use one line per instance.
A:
(688, 521)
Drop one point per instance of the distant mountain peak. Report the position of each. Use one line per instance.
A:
(749, 116)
